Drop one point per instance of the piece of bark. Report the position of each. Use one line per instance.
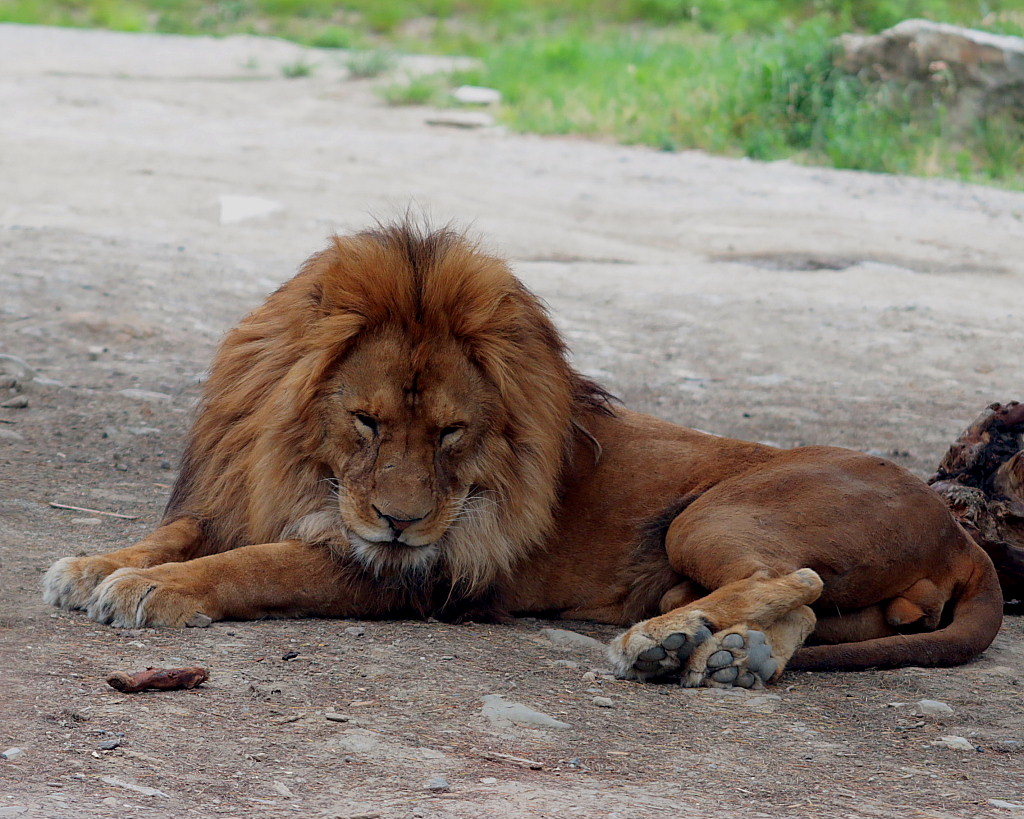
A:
(163, 679)
(981, 478)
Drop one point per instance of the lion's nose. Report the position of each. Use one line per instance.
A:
(398, 524)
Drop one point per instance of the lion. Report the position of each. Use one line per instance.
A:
(397, 432)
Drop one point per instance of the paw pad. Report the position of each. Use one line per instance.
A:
(740, 658)
(656, 657)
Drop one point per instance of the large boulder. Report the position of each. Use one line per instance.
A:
(983, 71)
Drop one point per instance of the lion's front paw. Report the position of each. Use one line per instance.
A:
(658, 647)
(134, 598)
(70, 582)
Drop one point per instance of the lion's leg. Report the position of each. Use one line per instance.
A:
(70, 581)
(663, 645)
(747, 656)
(289, 578)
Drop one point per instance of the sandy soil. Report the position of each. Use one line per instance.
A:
(767, 301)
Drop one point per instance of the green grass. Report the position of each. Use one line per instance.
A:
(297, 69)
(366, 64)
(426, 89)
(742, 77)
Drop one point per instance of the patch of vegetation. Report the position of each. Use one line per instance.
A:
(297, 69)
(367, 64)
(425, 89)
(745, 77)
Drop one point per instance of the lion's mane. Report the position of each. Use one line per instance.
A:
(251, 471)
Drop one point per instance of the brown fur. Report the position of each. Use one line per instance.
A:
(397, 431)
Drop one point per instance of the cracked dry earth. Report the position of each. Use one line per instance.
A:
(766, 301)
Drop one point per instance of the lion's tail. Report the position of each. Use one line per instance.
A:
(977, 615)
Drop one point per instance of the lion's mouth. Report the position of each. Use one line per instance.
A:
(392, 557)
(397, 544)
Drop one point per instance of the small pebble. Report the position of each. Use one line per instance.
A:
(1017, 807)
(12, 753)
(955, 742)
(437, 784)
(109, 744)
(18, 402)
(291, 655)
(165, 464)
(933, 708)
(330, 715)
(355, 631)
(461, 119)
(488, 780)
(476, 95)
(603, 702)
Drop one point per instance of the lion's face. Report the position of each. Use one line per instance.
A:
(408, 433)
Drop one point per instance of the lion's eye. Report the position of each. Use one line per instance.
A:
(365, 422)
(451, 433)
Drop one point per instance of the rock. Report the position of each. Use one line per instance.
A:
(566, 664)
(932, 708)
(87, 521)
(462, 119)
(437, 784)
(499, 710)
(149, 396)
(1008, 746)
(10, 435)
(355, 631)
(1016, 807)
(234, 209)
(488, 780)
(985, 70)
(603, 702)
(764, 702)
(284, 790)
(109, 744)
(476, 95)
(18, 402)
(954, 742)
(12, 754)
(333, 717)
(120, 783)
(20, 373)
(564, 638)
(290, 655)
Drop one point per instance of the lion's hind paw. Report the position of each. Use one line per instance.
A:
(739, 657)
(657, 649)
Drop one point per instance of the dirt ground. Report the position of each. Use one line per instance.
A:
(766, 301)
